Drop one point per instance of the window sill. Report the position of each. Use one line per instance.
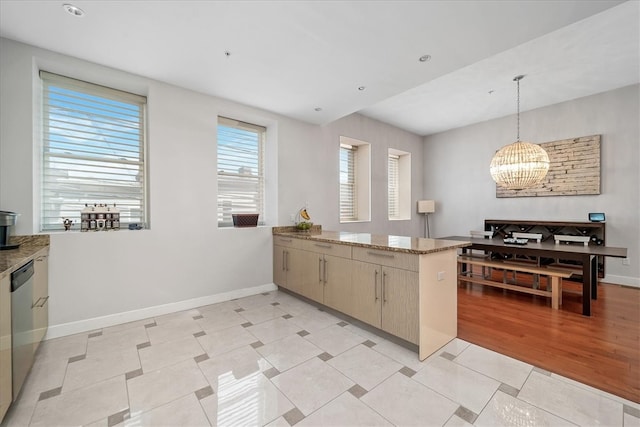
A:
(355, 221)
(231, 227)
(400, 219)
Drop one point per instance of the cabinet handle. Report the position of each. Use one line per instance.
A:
(284, 257)
(322, 246)
(325, 271)
(35, 304)
(43, 302)
(41, 258)
(381, 255)
(384, 287)
(375, 285)
(287, 260)
(320, 269)
(286, 240)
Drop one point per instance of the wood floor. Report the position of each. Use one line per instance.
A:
(602, 350)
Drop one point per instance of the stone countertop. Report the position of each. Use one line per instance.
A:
(413, 245)
(30, 248)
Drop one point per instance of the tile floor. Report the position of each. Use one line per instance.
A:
(274, 360)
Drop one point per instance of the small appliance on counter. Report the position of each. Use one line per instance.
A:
(7, 220)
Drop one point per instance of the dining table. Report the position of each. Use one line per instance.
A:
(585, 255)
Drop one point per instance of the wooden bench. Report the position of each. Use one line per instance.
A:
(556, 276)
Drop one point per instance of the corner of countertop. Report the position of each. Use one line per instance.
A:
(31, 240)
(285, 229)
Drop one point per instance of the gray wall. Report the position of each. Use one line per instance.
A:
(456, 167)
(184, 259)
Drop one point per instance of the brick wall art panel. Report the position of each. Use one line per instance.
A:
(574, 170)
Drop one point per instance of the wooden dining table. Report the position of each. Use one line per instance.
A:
(585, 255)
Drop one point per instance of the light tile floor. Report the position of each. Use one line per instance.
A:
(272, 359)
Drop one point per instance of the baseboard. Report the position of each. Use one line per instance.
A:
(64, 329)
(622, 280)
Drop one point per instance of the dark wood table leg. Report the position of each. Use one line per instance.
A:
(594, 277)
(586, 285)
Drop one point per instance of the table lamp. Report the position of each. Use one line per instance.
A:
(426, 207)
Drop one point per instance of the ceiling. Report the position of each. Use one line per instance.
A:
(295, 58)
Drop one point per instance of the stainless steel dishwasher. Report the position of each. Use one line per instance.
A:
(22, 335)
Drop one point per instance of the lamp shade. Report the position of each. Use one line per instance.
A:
(519, 165)
(426, 206)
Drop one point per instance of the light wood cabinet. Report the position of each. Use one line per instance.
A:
(307, 268)
(409, 295)
(40, 306)
(329, 278)
(387, 298)
(400, 302)
(293, 269)
(280, 266)
(337, 283)
(366, 282)
(6, 382)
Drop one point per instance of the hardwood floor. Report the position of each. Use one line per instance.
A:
(602, 350)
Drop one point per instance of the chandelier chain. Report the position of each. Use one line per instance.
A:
(518, 82)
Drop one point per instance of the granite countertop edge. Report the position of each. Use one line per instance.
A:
(316, 235)
(30, 248)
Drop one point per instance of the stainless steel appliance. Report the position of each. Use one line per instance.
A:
(22, 334)
(7, 221)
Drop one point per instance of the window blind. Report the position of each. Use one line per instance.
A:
(240, 169)
(393, 186)
(92, 151)
(348, 196)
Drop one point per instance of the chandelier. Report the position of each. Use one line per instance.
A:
(520, 164)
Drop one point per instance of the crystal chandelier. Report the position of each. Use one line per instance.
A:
(520, 164)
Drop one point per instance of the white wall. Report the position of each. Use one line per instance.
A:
(456, 168)
(184, 259)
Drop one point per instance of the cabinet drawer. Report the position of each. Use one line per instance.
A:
(388, 258)
(343, 251)
(287, 242)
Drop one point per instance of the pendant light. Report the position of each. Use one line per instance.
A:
(519, 165)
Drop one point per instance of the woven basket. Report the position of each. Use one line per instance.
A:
(245, 220)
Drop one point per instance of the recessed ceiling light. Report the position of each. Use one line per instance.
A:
(318, 109)
(424, 58)
(361, 88)
(73, 10)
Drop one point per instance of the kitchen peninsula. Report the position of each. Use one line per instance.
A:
(405, 286)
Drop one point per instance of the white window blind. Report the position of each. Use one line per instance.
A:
(240, 169)
(93, 151)
(394, 186)
(348, 196)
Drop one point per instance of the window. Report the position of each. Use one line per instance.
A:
(348, 190)
(399, 184)
(355, 180)
(92, 151)
(241, 183)
(394, 186)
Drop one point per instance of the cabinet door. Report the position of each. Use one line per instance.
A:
(279, 266)
(6, 383)
(337, 283)
(366, 292)
(40, 299)
(302, 271)
(311, 278)
(400, 302)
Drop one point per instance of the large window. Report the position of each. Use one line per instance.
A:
(355, 180)
(393, 191)
(92, 151)
(399, 184)
(348, 189)
(241, 183)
